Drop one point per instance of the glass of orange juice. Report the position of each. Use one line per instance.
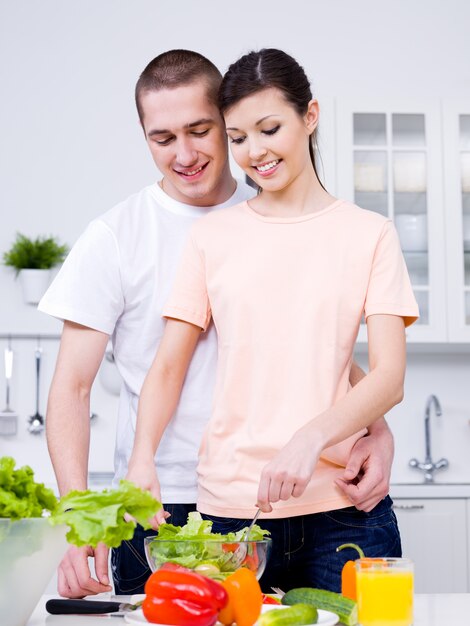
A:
(385, 591)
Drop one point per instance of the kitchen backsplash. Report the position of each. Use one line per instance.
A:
(32, 449)
(445, 375)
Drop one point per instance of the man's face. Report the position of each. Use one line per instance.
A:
(186, 136)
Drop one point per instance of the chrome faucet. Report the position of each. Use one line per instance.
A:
(429, 467)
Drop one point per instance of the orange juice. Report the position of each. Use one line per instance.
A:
(384, 592)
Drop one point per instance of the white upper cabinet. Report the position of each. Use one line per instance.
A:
(389, 160)
(456, 139)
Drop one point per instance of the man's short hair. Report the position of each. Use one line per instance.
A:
(175, 68)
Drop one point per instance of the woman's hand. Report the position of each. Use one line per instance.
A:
(144, 475)
(290, 471)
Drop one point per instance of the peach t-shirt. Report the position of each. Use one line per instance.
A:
(286, 296)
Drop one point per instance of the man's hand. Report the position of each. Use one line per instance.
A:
(145, 476)
(366, 478)
(74, 578)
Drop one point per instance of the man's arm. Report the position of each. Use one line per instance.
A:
(366, 478)
(68, 439)
(158, 401)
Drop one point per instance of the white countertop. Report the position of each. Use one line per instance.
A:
(450, 609)
(432, 490)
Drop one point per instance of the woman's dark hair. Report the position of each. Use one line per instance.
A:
(267, 68)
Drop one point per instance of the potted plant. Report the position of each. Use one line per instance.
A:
(32, 260)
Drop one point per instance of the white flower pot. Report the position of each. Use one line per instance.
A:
(34, 284)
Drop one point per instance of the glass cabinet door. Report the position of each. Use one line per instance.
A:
(457, 179)
(395, 153)
(464, 149)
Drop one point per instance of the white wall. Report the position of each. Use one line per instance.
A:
(71, 147)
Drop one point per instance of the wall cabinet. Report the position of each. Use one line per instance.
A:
(434, 535)
(412, 164)
(456, 138)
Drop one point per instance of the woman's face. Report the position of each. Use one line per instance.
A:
(269, 139)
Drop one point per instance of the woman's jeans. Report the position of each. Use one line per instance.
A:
(303, 552)
(128, 563)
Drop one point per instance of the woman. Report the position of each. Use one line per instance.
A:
(286, 279)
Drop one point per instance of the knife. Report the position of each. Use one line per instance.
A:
(89, 607)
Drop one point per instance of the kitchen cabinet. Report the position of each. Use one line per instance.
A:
(456, 139)
(389, 160)
(435, 536)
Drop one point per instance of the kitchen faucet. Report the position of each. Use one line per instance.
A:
(429, 467)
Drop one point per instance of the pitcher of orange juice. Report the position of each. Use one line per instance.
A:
(385, 591)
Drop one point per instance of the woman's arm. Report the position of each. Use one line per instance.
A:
(366, 478)
(158, 401)
(291, 469)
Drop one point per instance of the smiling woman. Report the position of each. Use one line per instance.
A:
(286, 277)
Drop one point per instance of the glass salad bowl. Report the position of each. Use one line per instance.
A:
(215, 558)
(30, 551)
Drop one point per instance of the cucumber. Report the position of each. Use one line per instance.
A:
(345, 608)
(298, 615)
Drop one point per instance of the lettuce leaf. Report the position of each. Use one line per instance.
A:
(99, 516)
(20, 495)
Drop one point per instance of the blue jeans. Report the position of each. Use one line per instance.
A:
(128, 562)
(303, 552)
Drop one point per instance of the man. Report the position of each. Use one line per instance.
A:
(115, 282)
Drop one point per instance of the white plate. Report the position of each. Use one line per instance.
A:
(325, 618)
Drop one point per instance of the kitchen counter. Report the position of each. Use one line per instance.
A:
(432, 490)
(450, 609)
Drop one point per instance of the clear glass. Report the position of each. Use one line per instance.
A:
(464, 127)
(417, 264)
(408, 129)
(412, 230)
(385, 591)
(465, 171)
(422, 298)
(466, 261)
(370, 129)
(370, 170)
(373, 201)
(409, 172)
(410, 202)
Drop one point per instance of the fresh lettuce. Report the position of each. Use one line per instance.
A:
(100, 516)
(20, 495)
(195, 546)
(93, 516)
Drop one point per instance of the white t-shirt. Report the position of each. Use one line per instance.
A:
(117, 279)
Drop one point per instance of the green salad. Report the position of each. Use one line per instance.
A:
(92, 516)
(195, 546)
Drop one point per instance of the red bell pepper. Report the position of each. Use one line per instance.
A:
(179, 596)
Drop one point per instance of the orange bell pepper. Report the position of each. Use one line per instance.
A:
(245, 599)
(348, 573)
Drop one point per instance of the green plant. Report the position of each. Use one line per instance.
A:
(41, 253)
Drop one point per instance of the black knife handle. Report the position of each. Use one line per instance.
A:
(81, 607)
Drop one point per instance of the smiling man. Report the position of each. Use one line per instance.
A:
(115, 282)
